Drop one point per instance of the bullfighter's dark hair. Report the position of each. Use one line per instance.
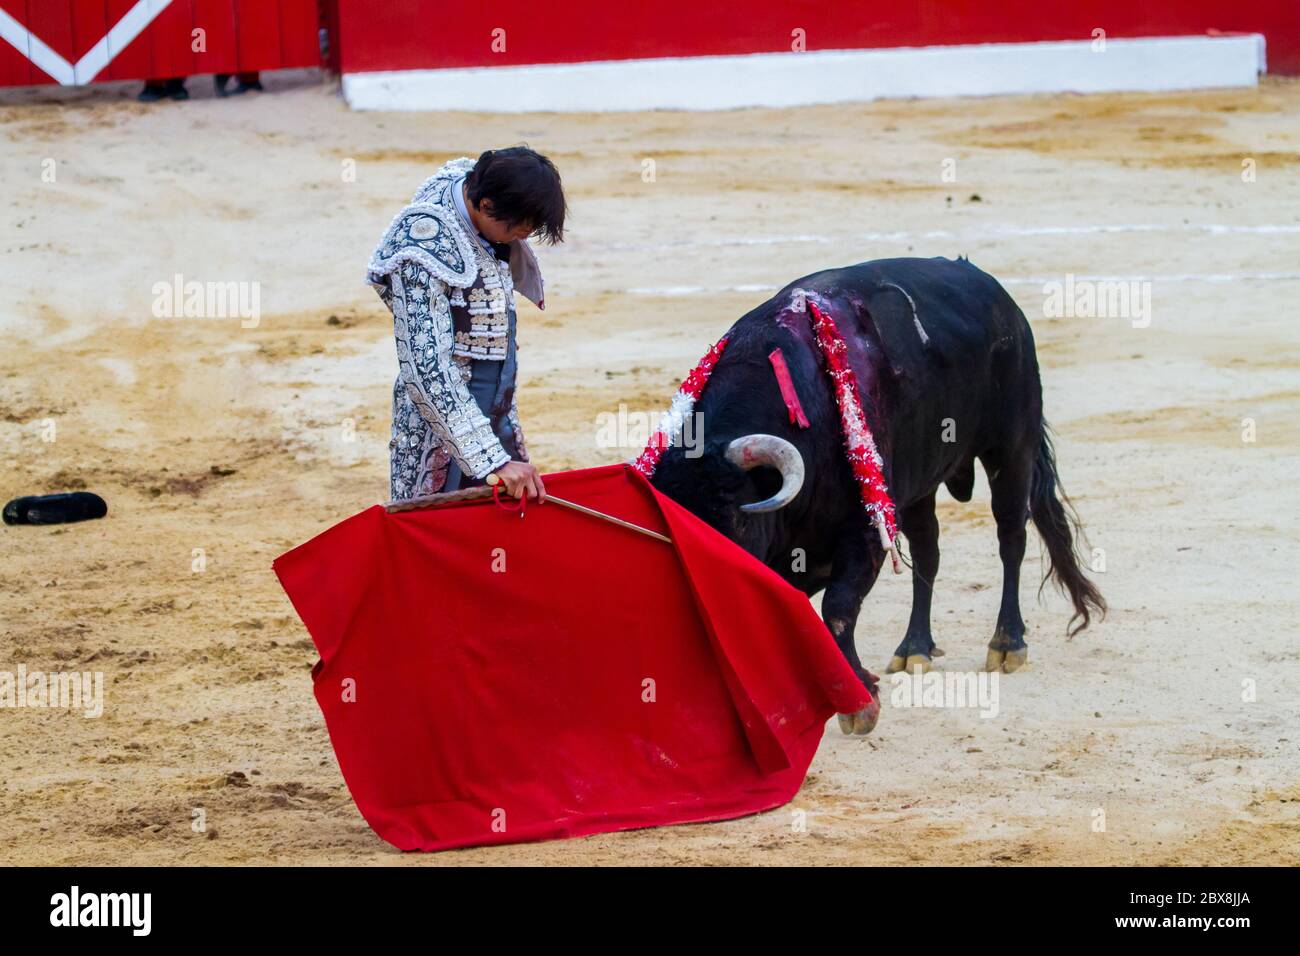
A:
(524, 186)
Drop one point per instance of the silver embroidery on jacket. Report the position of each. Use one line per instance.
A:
(434, 415)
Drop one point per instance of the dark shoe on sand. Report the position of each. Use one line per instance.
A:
(55, 509)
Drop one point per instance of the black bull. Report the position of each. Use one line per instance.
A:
(947, 373)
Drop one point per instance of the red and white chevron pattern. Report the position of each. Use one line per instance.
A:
(132, 24)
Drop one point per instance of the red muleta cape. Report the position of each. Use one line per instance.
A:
(487, 678)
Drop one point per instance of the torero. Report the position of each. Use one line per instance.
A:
(448, 268)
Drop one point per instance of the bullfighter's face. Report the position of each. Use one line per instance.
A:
(498, 230)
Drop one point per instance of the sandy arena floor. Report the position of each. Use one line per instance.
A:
(204, 434)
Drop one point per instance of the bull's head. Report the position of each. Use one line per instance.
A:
(753, 474)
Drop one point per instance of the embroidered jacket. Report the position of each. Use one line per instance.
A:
(453, 303)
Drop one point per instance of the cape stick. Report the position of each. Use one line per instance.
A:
(485, 492)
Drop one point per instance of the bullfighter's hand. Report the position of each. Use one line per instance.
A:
(522, 478)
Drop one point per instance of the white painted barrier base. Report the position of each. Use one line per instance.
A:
(833, 76)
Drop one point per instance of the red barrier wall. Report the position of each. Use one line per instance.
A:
(426, 34)
(241, 35)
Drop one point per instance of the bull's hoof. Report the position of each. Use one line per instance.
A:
(1008, 662)
(909, 664)
(862, 722)
(918, 660)
(912, 661)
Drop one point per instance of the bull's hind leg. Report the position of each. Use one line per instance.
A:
(1009, 481)
(853, 572)
(919, 522)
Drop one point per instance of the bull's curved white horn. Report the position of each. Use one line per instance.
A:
(750, 451)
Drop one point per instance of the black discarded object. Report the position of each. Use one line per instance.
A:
(55, 509)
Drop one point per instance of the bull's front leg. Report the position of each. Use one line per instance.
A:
(921, 527)
(853, 571)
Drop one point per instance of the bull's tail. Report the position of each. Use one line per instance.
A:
(1058, 523)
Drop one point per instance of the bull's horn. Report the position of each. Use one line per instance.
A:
(751, 451)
